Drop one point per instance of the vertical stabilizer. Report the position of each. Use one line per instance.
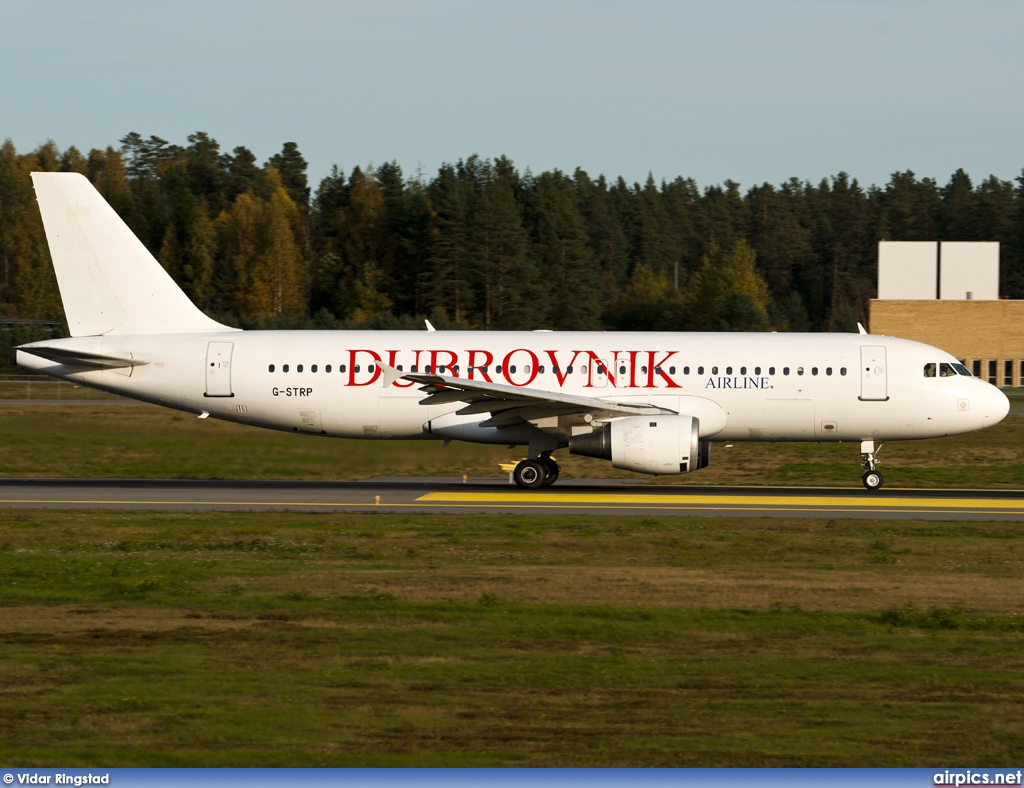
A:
(109, 282)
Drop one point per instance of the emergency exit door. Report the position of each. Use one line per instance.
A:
(218, 369)
(873, 385)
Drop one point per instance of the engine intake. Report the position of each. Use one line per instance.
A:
(658, 445)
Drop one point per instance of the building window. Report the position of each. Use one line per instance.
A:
(1008, 372)
(992, 369)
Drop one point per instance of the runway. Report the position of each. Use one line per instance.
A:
(589, 497)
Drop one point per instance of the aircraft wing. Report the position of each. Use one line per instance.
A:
(511, 405)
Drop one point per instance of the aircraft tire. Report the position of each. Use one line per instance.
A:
(872, 480)
(529, 474)
(551, 470)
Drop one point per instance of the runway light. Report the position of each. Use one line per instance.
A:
(376, 500)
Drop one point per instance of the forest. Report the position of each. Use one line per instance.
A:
(482, 244)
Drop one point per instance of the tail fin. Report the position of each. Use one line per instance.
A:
(109, 282)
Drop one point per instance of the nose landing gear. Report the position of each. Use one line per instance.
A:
(872, 479)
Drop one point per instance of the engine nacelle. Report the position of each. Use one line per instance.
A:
(658, 445)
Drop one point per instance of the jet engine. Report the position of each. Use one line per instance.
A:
(657, 445)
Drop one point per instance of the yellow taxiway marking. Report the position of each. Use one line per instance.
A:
(649, 499)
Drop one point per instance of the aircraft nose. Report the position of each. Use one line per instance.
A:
(996, 406)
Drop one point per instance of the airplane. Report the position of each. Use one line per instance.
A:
(651, 403)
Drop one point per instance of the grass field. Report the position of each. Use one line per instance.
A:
(134, 639)
(146, 442)
(219, 639)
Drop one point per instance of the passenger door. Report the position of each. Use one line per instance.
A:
(873, 385)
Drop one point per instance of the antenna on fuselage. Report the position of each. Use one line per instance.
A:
(431, 328)
(860, 329)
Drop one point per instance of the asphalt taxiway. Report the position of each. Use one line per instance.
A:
(579, 496)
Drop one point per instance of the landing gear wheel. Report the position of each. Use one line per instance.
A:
(529, 474)
(551, 470)
(872, 480)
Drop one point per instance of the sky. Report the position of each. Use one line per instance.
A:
(751, 91)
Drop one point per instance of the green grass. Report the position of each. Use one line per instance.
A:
(217, 639)
(145, 442)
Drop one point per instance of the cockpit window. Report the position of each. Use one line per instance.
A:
(929, 370)
(962, 370)
(946, 371)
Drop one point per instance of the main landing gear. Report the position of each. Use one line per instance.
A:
(872, 479)
(530, 474)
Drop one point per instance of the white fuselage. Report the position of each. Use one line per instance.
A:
(761, 387)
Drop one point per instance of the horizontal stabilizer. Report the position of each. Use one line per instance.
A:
(79, 358)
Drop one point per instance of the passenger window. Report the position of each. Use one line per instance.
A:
(568, 370)
(512, 369)
(284, 368)
(554, 369)
(271, 368)
(583, 369)
(728, 370)
(328, 368)
(814, 370)
(799, 370)
(686, 370)
(714, 370)
(369, 368)
(313, 368)
(946, 371)
(497, 369)
(426, 369)
(399, 368)
(455, 370)
(622, 370)
(757, 370)
(828, 370)
(483, 369)
(298, 368)
(600, 370)
(540, 370)
(785, 370)
(526, 369)
(929, 370)
(411, 369)
(440, 370)
(354, 369)
(342, 369)
(643, 370)
(842, 370)
(700, 370)
(743, 370)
